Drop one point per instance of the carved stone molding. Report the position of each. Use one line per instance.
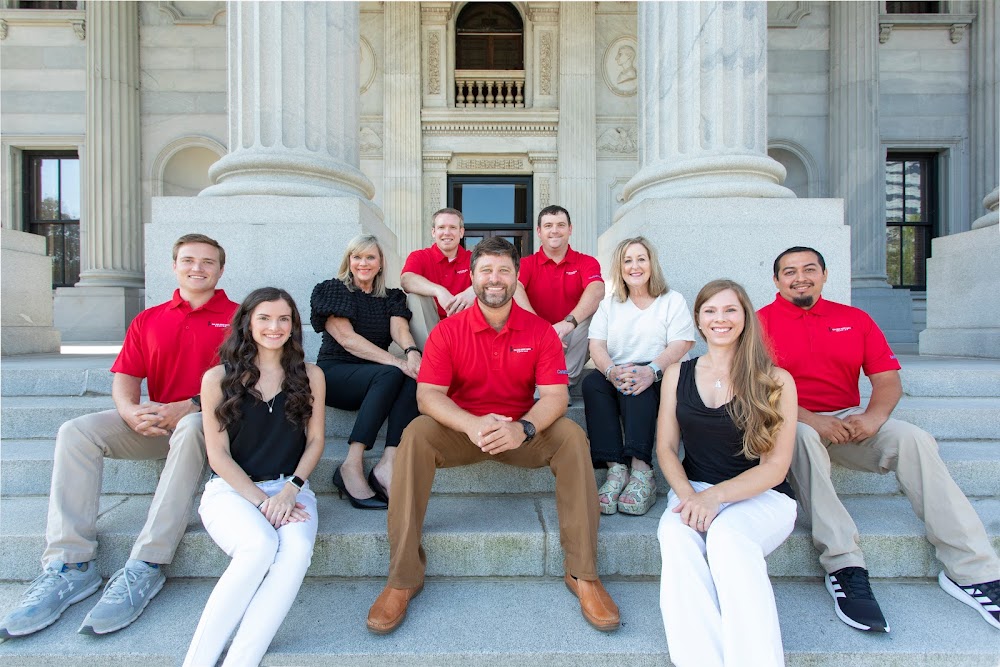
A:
(543, 12)
(368, 66)
(434, 63)
(884, 32)
(436, 12)
(3, 29)
(370, 141)
(193, 13)
(956, 32)
(73, 18)
(957, 24)
(544, 191)
(619, 141)
(545, 63)
(786, 14)
(79, 28)
(492, 123)
(489, 164)
(619, 66)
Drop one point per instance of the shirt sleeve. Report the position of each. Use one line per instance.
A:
(436, 363)
(526, 270)
(879, 357)
(415, 264)
(680, 326)
(599, 322)
(331, 298)
(551, 365)
(590, 271)
(396, 303)
(132, 358)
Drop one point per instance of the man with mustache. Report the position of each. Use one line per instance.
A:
(475, 392)
(825, 346)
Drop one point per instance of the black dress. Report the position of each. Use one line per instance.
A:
(713, 444)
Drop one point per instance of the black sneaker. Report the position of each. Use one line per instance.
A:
(984, 597)
(853, 599)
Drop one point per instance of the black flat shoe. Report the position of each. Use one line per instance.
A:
(373, 503)
(377, 487)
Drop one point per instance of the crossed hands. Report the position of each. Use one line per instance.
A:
(157, 419)
(853, 428)
(495, 433)
(456, 303)
(281, 508)
(631, 379)
(699, 510)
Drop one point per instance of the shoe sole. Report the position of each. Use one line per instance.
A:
(79, 597)
(399, 621)
(844, 617)
(633, 510)
(89, 629)
(955, 591)
(603, 627)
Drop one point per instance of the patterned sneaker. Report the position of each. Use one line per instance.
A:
(984, 597)
(126, 595)
(640, 493)
(48, 596)
(608, 494)
(854, 601)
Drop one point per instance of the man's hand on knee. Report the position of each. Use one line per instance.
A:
(498, 433)
(145, 419)
(832, 429)
(863, 425)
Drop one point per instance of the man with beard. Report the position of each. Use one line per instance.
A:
(475, 392)
(825, 346)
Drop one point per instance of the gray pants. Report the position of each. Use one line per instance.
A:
(952, 525)
(81, 447)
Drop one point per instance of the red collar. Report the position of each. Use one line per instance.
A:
(570, 255)
(216, 304)
(791, 311)
(516, 319)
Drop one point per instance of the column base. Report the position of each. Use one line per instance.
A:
(963, 296)
(288, 242)
(96, 314)
(892, 310)
(27, 295)
(699, 240)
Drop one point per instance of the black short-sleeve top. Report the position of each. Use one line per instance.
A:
(368, 314)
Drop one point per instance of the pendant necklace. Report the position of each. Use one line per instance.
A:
(270, 404)
(718, 383)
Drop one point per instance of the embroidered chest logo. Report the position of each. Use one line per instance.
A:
(219, 325)
(839, 329)
(520, 350)
(461, 271)
(571, 273)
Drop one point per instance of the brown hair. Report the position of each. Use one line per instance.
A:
(200, 238)
(452, 211)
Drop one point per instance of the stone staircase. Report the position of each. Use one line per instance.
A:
(494, 593)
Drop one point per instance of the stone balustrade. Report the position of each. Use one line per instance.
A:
(489, 88)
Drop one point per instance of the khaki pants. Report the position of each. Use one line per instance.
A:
(425, 317)
(952, 525)
(577, 350)
(427, 445)
(81, 447)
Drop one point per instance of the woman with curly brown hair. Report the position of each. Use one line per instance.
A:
(729, 504)
(263, 411)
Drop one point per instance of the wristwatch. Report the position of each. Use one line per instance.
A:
(657, 373)
(196, 399)
(572, 320)
(529, 429)
(296, 481)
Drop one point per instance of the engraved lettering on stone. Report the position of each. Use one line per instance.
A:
(490, 163)
(545, 66)
(623, 140)
(434, 64)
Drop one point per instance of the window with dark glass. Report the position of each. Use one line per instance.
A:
(494, 206)
(489, 36)
(908, 7)
(52, 209)
(911, 217)
(46, 4)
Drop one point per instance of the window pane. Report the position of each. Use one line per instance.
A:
(69, 188)
(894, 191)
(913, 243)
(71, 253)
(892, 251)
(46, 195)
(488, 203)
(913, 192)
(471, 240)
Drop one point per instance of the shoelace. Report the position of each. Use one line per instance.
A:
(855, 584)
(42, 585)
(116, 591)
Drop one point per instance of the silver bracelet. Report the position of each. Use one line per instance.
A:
(607, 372)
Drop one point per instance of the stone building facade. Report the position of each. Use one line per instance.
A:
(723, 131)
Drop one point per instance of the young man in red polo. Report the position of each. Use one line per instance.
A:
(563, 286)
(475, 392)
(170, 346)
(825, 346)
(437, 278)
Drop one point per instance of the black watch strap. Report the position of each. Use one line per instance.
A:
(529, 429)
(196, 399)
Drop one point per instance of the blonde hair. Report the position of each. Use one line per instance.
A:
(657, 283)
(756, 394)
(358, 244)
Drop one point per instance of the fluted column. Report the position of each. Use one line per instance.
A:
(857, 162)
(703, 102)
(984, 102)
(402, 158)
(293, 101)
(577, 137)
(112, 228)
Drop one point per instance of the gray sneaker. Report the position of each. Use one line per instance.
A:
(48, 596)
(126, 595)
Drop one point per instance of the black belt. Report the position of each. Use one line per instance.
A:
(260, 478)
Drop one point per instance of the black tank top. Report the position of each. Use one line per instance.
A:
(264, 443)
(713, 444)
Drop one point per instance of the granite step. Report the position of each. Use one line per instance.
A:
(947, 418)
(27, 470)
(478, 536)
(503, 622)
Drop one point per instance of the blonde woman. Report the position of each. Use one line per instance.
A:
(640, 328)
(729, 504)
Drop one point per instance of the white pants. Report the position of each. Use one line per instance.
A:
(716, 600)
(262, 580)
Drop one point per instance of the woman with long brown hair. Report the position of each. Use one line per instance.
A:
(729, 504)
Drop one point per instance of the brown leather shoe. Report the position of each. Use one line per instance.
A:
(595, 603)
(389, 609)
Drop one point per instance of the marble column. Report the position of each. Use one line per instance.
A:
(113, 218)
(984, 101)
(576, 139)
(110, 292)
(293, 101)
(857, 161)
(992, 216)
(703, 103)
(402, 161)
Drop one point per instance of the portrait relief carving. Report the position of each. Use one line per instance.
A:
(620, 72)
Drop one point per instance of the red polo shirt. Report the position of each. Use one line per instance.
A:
(555, 289)
(452, 274)
(488, 371)
(825, 349)
(172, 345)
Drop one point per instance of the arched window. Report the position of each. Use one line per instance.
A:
(489, 36)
